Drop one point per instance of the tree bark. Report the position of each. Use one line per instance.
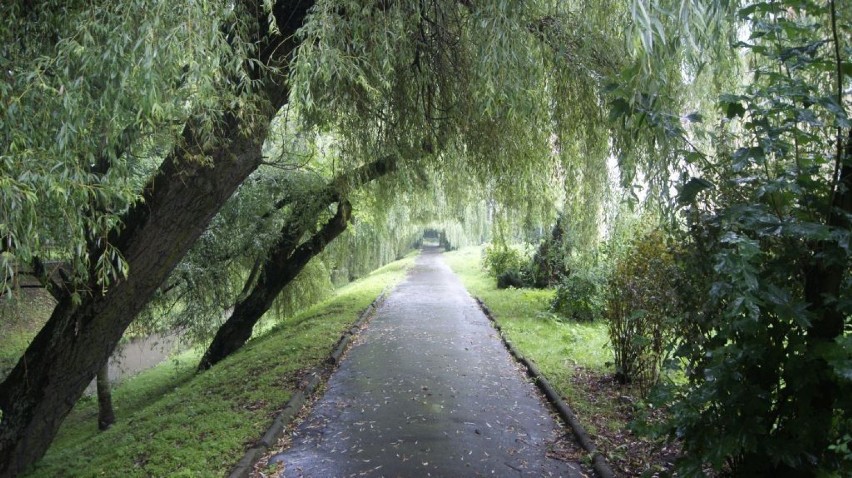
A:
(279, 269)
(285, 261)
(106, 414)
(823, 282)
(177, 205)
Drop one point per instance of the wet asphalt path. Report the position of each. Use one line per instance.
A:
(428, 390)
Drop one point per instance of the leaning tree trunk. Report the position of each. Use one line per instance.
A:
(177, 205)
(106, 414)
(77, 340)
(279, 269)
(284, 261)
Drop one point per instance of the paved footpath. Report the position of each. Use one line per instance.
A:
(428, 390)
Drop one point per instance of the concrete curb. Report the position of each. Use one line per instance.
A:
(318, 375)
(599, 462)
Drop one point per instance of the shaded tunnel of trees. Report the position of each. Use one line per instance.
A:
(683, 169)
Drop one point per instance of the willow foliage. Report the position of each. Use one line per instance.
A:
(501, 96)
(89, 96)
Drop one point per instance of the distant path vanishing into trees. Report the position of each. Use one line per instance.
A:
(429, 390)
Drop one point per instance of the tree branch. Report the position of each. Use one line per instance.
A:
(838, 64)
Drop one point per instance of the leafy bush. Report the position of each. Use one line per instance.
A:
(580, 296)
(500, 258)
(768, 354)
(641, 303)
(756, 373)
(511, 278)
(508, 265)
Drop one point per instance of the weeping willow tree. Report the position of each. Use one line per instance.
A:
(508, 96)
(87, 89)
(504, 95)
(430, 98)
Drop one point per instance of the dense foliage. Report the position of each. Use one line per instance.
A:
(768, 357)
(580, 295)
(762, 315)
(641, 309)
(507, 264)
(90, 99)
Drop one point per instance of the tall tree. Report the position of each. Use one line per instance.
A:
(413, 98)
(389, 78)
(187, 189)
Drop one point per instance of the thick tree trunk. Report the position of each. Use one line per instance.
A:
(106, 415)
(78, 339)
(279, 269)
(177, 205)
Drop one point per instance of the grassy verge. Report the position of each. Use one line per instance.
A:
(172, 422)
(560, 349)
(573, 356)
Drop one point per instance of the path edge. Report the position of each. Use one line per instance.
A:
(317, 376)
(599, 463)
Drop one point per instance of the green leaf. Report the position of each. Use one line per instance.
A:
(695, 117)
(690, 190)
(733, 110)
(692, 157)
(618, 108)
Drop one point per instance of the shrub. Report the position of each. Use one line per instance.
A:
(499, 259)
(511, 278)
(768, 371)
(641, 303)
(580, 296)
(508, 265)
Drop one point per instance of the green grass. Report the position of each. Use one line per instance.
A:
(172, 422)
(559, 348)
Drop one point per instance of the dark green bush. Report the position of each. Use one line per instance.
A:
(641, 306)
(511, 278)
(579, 296)
(499, 259)
(508, 265)
(766, 343)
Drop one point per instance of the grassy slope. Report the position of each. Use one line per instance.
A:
(172, 422)
(560, 349)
